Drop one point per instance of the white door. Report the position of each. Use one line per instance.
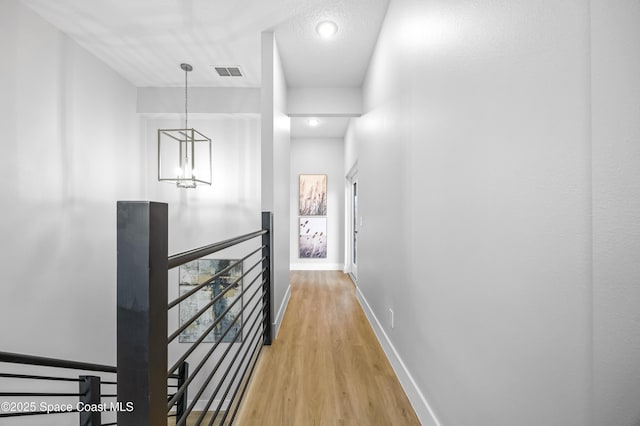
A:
(355, 225)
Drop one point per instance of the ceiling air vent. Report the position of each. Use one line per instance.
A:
(231, 71)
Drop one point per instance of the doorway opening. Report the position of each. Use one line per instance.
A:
(354, 224)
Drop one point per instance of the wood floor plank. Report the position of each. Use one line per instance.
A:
(326, 367)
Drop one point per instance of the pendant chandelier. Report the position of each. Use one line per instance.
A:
(184, 155)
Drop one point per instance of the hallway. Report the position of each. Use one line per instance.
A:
(326, 366)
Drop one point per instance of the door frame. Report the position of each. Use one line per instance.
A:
(351, 266)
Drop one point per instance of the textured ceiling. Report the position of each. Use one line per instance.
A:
(146, 40)
(341, 61)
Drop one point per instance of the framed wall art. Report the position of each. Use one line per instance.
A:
(313, 195)
(197, 272)
(313, 238)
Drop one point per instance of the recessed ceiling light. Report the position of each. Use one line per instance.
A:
(313, 122)
(327, 29)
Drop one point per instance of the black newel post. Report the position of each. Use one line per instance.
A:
(142, 312)
(90, 395)
(181, 405)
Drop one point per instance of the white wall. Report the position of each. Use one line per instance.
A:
(474, 181)
(276, 141)
(326, 101)
(223, 100)
(615, 67)
(351, 146)
(319, 156)
(71, 147)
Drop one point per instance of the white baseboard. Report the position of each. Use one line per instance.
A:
(316, 266)
(418, 401)
(283, 307)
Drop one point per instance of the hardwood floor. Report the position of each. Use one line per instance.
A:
(326, 366)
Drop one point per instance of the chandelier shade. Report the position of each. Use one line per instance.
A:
(184, 155)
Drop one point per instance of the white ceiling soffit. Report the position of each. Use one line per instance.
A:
(146, 40)
(341, 61)
(328, 127)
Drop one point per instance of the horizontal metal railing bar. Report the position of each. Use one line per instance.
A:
(5, 394)
(224, 376)
(175, 302)
(222, 357)
(212, 302)
(235, 392)
(192, 348)
(187, 256)
(32, 377)
(213, 372)
(174, 398)
(36, 413)
(206, 357)
(53, 362)
(244, 388)
(215, 299)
